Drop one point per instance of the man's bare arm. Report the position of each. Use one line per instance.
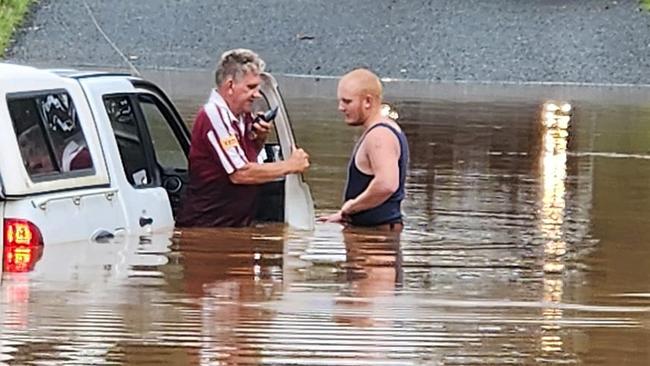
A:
(254, 173)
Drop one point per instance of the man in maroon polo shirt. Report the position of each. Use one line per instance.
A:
(224, 175)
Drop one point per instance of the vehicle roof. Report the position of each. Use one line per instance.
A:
(16, 73)
(13, 73)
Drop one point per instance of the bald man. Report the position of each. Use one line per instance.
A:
(377, 168)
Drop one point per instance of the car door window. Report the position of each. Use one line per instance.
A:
(130, 137)
(167, 148)
(51, 140)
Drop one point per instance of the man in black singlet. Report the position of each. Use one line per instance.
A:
(377, 168)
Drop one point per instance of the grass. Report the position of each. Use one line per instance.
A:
(11, 15)
(645, 4)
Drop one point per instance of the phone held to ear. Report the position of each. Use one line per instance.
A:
(267, 116)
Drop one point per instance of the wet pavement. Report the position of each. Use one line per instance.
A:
(523, 244)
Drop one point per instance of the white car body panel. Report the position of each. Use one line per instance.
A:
(66, 208)
(70, 216)
(298, 203)
(15, 179)
(146, 203)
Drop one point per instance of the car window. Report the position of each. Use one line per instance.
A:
(168, 150)
(129, 139)
(50, 137)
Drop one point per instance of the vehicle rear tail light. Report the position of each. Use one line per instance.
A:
(23, 245)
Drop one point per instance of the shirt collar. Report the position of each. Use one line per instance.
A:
(217, 99)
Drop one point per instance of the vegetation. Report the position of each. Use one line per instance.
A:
(12, 13)
(645, 4)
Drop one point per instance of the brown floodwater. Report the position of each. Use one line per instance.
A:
(523, 244)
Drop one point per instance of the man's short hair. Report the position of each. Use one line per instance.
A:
(236, 63)
(365, 82)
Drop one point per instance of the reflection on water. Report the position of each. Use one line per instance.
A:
(523, 245)
(555, 122)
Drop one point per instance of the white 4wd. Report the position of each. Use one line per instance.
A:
(89, 155)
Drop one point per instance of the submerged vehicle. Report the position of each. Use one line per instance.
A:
(87, 156)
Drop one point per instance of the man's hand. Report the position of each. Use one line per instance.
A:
(337, 217)
(261, 131)
(298, 162)
(347, 208)
(342, 216)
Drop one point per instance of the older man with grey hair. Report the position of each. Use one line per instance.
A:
(224, 175)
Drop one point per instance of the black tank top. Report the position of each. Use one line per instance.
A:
(390, 210)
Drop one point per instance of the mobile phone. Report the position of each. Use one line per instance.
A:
(267, 116)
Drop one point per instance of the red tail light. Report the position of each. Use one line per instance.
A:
(23, 245)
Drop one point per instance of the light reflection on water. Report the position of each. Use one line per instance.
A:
(523, 245)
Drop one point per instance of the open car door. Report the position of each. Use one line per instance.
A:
(298, 203)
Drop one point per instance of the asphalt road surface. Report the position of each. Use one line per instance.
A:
(470, 40)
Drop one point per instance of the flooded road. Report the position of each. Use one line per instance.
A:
(523, 245)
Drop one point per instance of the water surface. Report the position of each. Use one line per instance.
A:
(523, 245)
